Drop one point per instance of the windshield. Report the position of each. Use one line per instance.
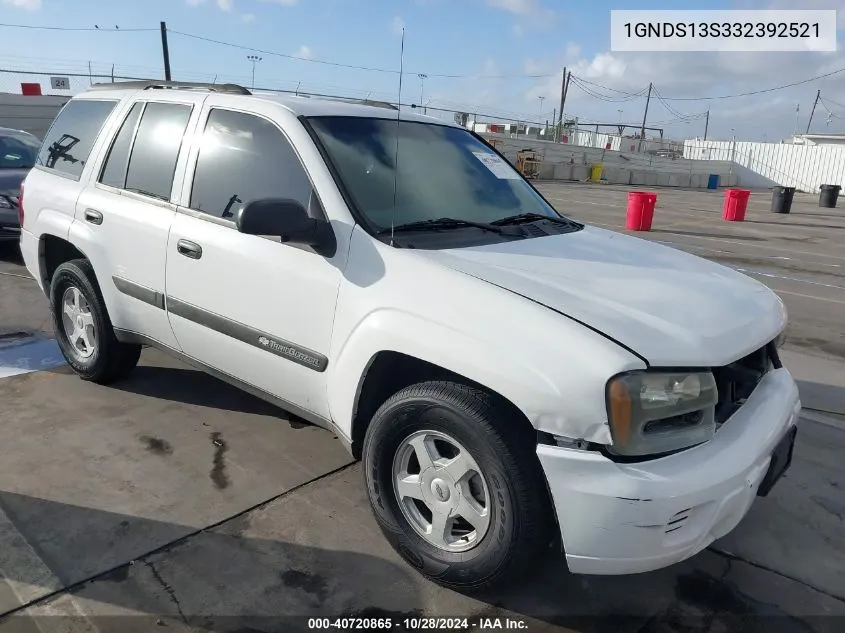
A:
(443, 172)
(18, 151)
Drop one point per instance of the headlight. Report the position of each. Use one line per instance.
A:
(659, 412)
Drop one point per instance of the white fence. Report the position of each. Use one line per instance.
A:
(804, 167)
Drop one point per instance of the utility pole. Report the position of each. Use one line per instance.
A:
(706, 123)
(813, 111)
(645, 115)
(559, 126)
(164, 51)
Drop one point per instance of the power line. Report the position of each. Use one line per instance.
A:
(66, 28)
(391, 71)
(757, 92)
(581, 86)
(592, 83)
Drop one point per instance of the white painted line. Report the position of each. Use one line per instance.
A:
(823, 419)
(717, 250)
(800, 294)
(29, 357)
(749, 271)
(771, 248)
(29, 578)
(21, 568)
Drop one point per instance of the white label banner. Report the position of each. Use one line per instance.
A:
(716, 30)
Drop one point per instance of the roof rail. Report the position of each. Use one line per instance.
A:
(178, 85)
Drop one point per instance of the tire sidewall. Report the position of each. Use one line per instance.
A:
(66, 276)
(390, 426)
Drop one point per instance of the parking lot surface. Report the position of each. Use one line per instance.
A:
(173, 500)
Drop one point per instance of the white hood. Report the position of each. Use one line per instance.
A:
(672, 308)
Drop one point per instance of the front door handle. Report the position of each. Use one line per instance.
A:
(93, 216)
(189, 249)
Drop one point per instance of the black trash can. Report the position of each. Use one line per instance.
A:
(828, 196)
(782, 199)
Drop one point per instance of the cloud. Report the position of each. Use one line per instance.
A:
(224, 5)
(284, 3)
(519, 7)
(304, 52)
(517, 30)
(397, 25)
(26, 5)
(573, 51)
(533, 68)
(248, 17)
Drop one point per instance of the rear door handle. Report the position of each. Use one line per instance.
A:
(189, 249)
(93, 216)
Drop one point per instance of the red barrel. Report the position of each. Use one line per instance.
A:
(736, 201)
(640, 212)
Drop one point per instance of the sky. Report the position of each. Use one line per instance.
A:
(501, 59)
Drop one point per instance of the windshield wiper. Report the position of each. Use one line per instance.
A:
(524, 218)
(442, 223)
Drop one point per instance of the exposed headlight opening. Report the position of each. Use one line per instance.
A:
(660, 412)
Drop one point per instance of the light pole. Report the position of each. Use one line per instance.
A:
(540, 99)
(422, 77)
(254, 59)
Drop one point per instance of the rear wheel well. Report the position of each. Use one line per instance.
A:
(388, 372)
(53, 252)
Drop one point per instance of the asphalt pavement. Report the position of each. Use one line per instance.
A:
(171, 500)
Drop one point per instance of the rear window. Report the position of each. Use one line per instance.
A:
(68, 144)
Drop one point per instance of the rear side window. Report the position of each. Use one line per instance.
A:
(71, 137)
(114, 171)
(156, 148)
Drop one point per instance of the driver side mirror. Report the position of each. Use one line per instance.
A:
(288, 220)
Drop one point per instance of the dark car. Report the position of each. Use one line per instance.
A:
(18, 150)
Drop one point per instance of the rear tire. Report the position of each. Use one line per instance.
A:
(499, 517)
(83, 328)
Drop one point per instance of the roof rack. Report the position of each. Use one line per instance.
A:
(179, 85)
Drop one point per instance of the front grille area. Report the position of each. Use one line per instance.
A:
(736, 381)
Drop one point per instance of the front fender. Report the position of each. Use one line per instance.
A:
(437, 343)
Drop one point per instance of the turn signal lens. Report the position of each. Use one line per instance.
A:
(620, 411)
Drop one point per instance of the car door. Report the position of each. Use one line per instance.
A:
(123, 219)
(250, 306)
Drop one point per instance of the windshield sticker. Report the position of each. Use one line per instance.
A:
(500, 168)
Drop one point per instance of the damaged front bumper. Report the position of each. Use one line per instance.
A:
(620, 518)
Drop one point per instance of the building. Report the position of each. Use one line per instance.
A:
(818, 139)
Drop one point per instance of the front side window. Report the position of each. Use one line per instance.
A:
(245, 157)
(156, 149)
(434, 171)
(71, 138)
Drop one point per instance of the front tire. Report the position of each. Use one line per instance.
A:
(455, 485)
(83, 328)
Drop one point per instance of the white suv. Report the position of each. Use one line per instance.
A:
(512, 380)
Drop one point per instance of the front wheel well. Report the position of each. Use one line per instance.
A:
(53, 252)
(389, 372)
